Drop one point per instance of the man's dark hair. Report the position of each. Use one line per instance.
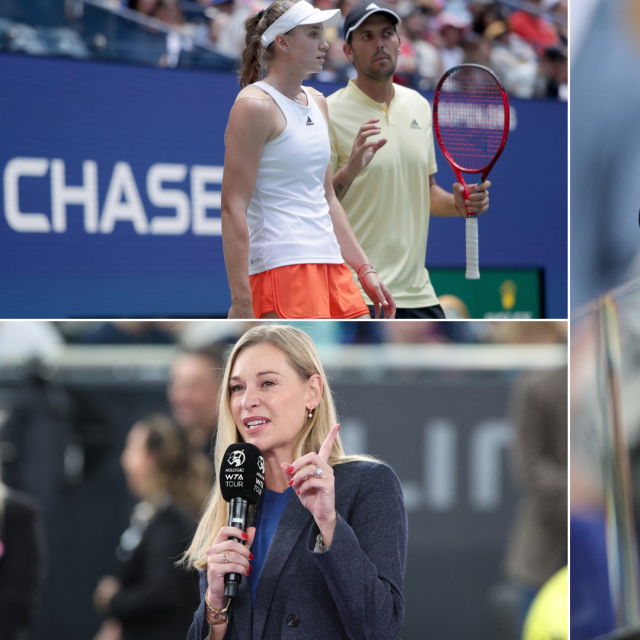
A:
(215, 353)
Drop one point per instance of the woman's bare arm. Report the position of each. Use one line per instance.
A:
(250, 126)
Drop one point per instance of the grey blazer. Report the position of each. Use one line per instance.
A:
(352, 591)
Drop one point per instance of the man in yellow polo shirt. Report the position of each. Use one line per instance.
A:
(383, 161)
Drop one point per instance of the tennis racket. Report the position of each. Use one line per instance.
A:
(471, 125)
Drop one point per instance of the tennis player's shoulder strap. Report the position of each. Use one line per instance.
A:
(254, 92)
(320, 100)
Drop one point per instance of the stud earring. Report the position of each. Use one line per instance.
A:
(310, 413)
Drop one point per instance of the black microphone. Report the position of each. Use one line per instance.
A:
(241, 484)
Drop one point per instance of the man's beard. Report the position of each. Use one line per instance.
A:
(378, 74)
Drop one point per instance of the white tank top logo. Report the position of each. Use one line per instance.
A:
(288, 216)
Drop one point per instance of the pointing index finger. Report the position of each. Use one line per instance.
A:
(327, 445)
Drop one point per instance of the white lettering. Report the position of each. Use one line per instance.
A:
(85, 195)
(201, 200)
(488, 443)
(441, 443)
(18, 220)
(170, 198)
(123, 184)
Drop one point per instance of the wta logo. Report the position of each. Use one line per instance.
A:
(237, 458)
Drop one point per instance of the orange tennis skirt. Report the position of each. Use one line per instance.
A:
(307, 291)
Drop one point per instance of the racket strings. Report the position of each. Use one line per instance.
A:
(471, 117)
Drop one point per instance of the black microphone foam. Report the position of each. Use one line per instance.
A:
(242, 473)
(241, 484)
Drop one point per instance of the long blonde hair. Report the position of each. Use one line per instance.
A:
(303, 357)
(255, 56)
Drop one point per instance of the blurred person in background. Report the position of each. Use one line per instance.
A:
(151, 598)
(193, 391)
(538, 543)
(227, 30)
(554, 75)
(512, 59)
(330, 539)
(169, 11)
(360, 116)
(549, 613)
(451, 30)
(22, 561)
(26, 339)
(537, 30)
(146, 7)
(428, 62)
(132, 332)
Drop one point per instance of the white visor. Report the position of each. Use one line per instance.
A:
(300, 13)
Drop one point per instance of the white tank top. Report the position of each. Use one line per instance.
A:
(288, 216)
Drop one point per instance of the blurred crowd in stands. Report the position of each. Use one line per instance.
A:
(526, 47)
(31, 339)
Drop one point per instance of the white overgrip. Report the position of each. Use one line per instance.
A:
(473, 270)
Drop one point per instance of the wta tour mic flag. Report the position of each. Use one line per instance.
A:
(242, 473)
(241, 484)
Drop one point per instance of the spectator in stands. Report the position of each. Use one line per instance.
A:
(193, 393)
(451, 35)
(512, 59)
(560, 11)
(534, 29)
(554, 74)
(169, 11)
(415, 28)
(538, 544)
(227, 30)
(22, 561)
(147, 7)
(132, 332)
(151, 597)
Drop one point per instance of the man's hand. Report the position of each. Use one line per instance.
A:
(478, 201)
(363, 151)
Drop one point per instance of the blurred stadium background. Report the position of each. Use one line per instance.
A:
(435, 400)
(605, 297)
(113, 149)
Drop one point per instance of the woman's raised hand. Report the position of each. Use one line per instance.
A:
(227, 556)
(316, 490)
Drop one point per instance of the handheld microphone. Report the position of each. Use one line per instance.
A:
(241, 484)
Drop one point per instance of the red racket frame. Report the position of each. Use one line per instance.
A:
(457, 169)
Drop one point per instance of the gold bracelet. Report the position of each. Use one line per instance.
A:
(215, 616)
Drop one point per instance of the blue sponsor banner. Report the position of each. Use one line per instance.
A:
(110, 192)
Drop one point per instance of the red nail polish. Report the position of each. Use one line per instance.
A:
(251, 556)
(245, 536)
(291, 482)
(298, 492)
(290, 470)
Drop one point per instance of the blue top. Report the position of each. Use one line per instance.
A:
(269, 513)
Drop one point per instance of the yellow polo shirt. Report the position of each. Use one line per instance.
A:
(388, 203)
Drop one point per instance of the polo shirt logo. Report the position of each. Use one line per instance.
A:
(309, 121)
(415, 125)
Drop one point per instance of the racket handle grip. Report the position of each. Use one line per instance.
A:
(473, 271)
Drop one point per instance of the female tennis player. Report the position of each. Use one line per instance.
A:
(285, 235)
(328, 552)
